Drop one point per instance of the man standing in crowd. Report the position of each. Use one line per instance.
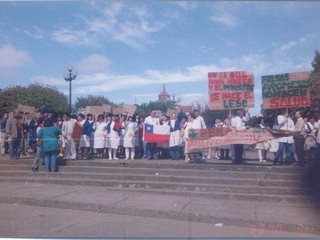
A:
(199, 123)
(33, 125)
(67, 131)
(3, 135)
(175, 140)
(285, 123)
(151, 146)
(299, 136)
(239, 126)
(12, 135)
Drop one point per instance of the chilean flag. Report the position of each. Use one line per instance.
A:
(156, 133)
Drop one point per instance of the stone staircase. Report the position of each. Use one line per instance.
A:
(279, 186)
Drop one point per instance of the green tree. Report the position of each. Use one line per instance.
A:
(36, 95)
(145, 108)
(91, 100)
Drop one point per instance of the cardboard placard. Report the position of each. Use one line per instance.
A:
(125, 109)
(170, 112)
(286, 90)
(186, 109)
(97, 110)
(230, 90)
(26, 109)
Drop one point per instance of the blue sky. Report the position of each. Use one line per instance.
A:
(126, 50)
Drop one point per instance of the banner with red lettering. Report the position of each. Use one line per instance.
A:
(215, 137)
(231, 90)
(286, 90)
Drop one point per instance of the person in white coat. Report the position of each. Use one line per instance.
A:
(100, 135)
(114, 131)
(130, 138)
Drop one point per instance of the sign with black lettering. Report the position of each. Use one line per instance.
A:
(286, 90)
(230, 90)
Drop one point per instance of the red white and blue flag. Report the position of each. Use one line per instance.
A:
(156, 133)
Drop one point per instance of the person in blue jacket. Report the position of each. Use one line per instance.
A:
(49, 135)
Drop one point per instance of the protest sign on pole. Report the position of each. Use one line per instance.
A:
(230, 90)
(129, 109)
(186, 109)
(286, 90)
(95, 110)
(26, 109)
(107, 108)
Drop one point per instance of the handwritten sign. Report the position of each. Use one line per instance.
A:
(26, 109)
(286, 90)
(186, 109)
(214, 137)
(97, 110)
(230, 90)
(125, 109)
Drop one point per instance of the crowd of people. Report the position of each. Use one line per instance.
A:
(113, 137)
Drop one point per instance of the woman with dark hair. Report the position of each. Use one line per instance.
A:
(262, 147)
(49, 135)
(84, 143)
(100, 135)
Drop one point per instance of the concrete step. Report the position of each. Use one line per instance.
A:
(163, 177)
(218, 165)
(132, 169)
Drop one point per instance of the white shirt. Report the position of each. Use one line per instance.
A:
(238, 123)
(152, 121)
(199, 122)
(285, 123)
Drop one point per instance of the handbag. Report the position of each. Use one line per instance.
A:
(39, 142)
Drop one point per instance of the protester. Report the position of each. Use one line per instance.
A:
(70, 152)
(187, 128)
(33, 125)
(286, 123)
(84, 143)
(13, 135)
(175, 138)
(239, 126)
(262, 147)
(113, 141)
(39, 155)
(215, 150)
(100, 136)
(152, 146)
(299, 137)
(225, 149)
(3, 134)
(130, 138)
(142, 150)
(49, 134)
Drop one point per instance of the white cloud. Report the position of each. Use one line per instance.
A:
(94, 63)
(288, 46)
(226, 19)
(121, 22)
(186, 5)
(10, 57)
(36, 33)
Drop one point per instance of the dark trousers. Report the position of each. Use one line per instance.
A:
(238, 152)
(299, 143)
(152, 150)
(224, 153)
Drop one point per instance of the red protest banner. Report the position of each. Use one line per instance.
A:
(230, 90)
(286, 90)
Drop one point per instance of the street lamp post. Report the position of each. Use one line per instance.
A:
(69, 76)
